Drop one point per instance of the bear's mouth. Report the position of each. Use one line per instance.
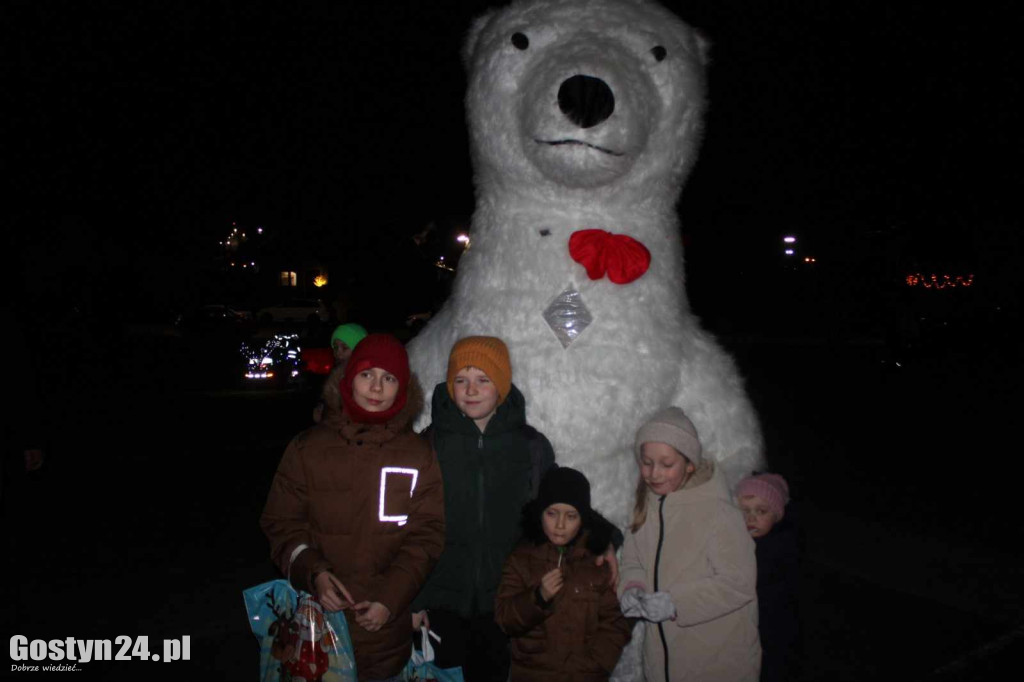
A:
(603, 150)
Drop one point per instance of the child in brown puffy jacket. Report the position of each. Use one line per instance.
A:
(355, 514)
(556, 605)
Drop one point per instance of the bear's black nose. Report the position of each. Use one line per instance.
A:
(585, 100)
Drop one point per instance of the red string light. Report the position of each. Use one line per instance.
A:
(939, 281)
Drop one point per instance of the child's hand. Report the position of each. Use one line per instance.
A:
(419, 618)
(658, 607)
(551, 584)
(651, 606)
(631, 601)
(331, 593)
(371, 615)
(613, 564)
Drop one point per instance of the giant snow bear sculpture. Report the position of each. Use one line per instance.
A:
(586, 115)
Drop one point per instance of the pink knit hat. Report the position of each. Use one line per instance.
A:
(771, 488)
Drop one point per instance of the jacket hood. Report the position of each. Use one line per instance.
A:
(704, 472)
(510, 415)
(335, 416)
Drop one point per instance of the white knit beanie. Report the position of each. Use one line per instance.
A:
(672, 427)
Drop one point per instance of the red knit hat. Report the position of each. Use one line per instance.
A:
(376, 350)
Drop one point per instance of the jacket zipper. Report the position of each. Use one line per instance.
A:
(480, 485)
(657, 562)
(479, 520)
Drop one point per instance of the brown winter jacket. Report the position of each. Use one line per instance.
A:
(326, 496)
(579, 635)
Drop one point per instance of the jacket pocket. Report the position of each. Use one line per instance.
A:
(584, 600)
(533, 642)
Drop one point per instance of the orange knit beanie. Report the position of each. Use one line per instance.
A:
(488, 354)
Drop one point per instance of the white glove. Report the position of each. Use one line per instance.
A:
(658, 607)
(631, 602)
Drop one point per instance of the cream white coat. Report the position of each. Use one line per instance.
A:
(707, 564)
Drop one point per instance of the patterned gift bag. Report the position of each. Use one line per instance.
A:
(299, 641)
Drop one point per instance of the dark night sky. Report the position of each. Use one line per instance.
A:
(142, 125)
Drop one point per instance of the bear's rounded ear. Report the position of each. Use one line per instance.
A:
(473, 37)
(703, 47)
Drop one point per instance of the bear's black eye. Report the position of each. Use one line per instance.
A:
(520, 41)
(659, 52)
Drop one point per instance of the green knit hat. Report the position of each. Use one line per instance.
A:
(349, 334)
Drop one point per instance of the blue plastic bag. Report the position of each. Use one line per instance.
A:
(421, 664)
(299, 642)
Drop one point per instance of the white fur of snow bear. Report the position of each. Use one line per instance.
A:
(644, 349)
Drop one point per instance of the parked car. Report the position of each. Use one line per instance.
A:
(295, 310)
(213, 317)
(274, 361)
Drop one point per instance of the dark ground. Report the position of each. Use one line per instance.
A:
(145, 519)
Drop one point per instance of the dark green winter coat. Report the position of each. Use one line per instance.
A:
(488, 478)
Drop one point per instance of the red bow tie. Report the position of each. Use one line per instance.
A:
(622, 257)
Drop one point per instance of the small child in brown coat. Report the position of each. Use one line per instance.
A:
(556, 605)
